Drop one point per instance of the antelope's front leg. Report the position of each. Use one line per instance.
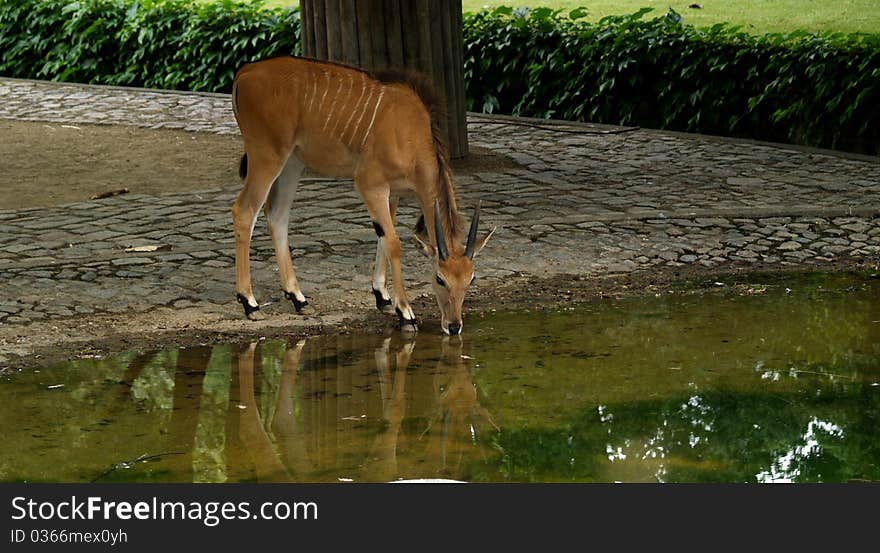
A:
(380, 268)
(376, 199)
(401, 302)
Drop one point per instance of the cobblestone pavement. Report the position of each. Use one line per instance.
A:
(588, 200)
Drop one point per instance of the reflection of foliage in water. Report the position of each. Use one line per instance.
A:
(83, 424)
(823, 320)
(714, 387)
(679, 379)
(708, 437)
(154, 386)
(209, 462)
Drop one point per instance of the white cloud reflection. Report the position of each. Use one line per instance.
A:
(787, 467)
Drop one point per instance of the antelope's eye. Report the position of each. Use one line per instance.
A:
(440, 281)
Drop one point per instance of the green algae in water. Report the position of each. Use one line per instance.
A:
(774, 380)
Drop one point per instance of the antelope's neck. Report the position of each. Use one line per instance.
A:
(449, 218)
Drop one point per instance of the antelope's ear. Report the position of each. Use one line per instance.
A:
(426, 249)
(481, 242)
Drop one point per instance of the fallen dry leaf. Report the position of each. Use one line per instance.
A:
(109, 194)
(148, 248)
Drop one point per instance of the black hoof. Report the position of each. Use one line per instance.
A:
(302, 307)
(406, 325)
(250, 311)
(382, 304)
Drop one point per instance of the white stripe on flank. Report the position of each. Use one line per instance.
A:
(373, 118)
(347, 95)
(350, 117)
(326, 90)
(332, 106)
(357, 125)
(314, 93)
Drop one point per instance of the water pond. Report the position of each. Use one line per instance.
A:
(772, 382)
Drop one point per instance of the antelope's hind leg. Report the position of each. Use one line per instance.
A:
(262, 170)
(278, 216)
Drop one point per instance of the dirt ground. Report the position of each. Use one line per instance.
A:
(48, 164)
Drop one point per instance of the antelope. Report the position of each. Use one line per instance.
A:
(382, 130)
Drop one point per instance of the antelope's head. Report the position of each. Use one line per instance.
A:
(453, 270)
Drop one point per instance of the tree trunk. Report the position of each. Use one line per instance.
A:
(425, 35)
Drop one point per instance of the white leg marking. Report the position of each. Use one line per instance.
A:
(259, 207)
(284, 190)
(254, 223)
(407, 313)
(373, 118)
(380, 270)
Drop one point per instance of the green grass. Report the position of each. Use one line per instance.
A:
(756, 16)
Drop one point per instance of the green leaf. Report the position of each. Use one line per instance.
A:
(578, 13)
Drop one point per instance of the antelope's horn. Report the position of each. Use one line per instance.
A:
(442, 251)
(472, 234)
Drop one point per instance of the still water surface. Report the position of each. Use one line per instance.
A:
(745, 383)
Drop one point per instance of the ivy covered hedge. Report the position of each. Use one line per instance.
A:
(814, 89)
(172, 44)
(804, 88)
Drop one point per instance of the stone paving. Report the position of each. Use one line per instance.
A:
(588, 200)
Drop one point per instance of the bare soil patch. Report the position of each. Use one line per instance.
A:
(49, 164)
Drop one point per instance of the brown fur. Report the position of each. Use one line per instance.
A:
(382, 130)
(434, 102)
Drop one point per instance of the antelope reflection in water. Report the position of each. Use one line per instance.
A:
(411, 410)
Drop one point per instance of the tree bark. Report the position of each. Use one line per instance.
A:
(425, 35)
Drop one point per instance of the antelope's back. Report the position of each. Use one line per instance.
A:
(332, 115)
